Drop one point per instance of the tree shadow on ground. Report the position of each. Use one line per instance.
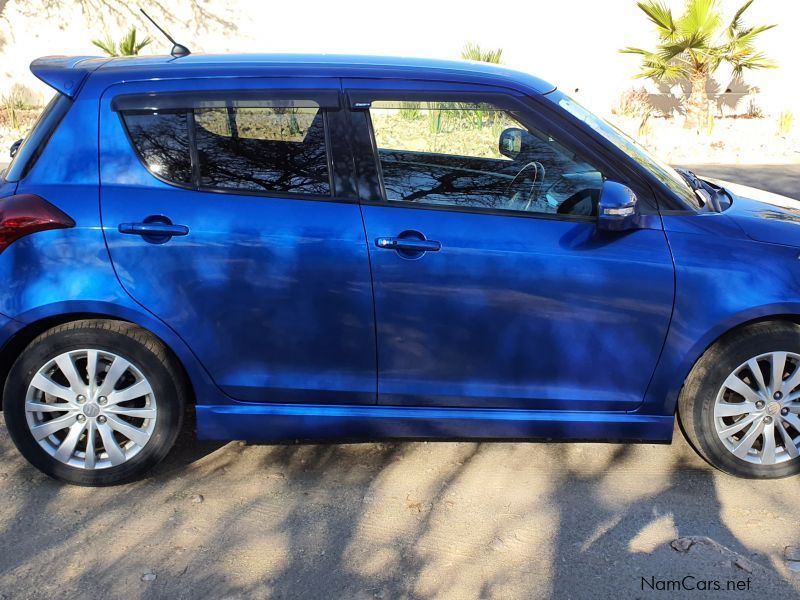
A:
(392, 520)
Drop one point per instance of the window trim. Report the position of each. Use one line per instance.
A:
(361, 100)
(165, 101)
(192, 142)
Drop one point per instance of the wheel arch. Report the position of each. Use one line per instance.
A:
(191, 373)
(719, 336)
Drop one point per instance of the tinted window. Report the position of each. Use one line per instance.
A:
(256, 148)
(450, 153)
(162, 140)
(273, 149)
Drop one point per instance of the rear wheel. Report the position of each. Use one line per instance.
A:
(740, 407)
(94, 402)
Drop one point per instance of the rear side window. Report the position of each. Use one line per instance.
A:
(273, 149)
(262, 149)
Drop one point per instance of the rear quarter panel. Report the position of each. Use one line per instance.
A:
(66, 272)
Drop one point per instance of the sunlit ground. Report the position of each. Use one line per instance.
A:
(395, 520)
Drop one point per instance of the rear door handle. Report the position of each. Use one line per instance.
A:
(408, 244)
(154, 229)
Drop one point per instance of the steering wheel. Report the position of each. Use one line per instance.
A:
(538, 172)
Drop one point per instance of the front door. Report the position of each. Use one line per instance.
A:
(225, 217)
(493, 286)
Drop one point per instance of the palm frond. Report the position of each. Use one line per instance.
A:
(129, 46)
(472, 51)
(655, 66)
(632, 50)
(746, 36)
(751, 62)
(701, 17)
(107, 45)
(696, 42)
(661, 16)
(736, 22)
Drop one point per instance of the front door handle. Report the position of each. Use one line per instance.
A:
(408, 244)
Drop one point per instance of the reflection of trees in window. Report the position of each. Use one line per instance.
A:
(447, 153)
(281, 150)
(266, 149)
(162, 142)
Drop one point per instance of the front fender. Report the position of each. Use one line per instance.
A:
(723, 280)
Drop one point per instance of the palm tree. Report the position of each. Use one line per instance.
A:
(128, 45)
(472, 51)
(692, 47)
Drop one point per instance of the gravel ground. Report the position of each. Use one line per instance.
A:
(406, 520)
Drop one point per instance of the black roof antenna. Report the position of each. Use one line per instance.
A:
(178, 50)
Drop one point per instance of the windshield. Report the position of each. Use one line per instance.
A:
(666, 174)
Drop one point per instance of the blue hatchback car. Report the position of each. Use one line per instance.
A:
(321, 247)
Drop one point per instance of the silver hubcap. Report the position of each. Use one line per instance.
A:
(757, 411)
(91, 409)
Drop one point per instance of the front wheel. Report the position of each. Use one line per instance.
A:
(94, 402)
(740, 406)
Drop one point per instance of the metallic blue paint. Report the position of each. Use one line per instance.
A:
(281, 286)
(533, 313)
(65, 74)
(292, 323)
(289, 422)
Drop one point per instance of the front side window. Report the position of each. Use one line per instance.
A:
(472, 155)
(268, 148)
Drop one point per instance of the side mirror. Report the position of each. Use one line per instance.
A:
(14, 147)
(510, 144)
(618, 209)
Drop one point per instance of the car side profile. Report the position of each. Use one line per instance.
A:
(334, 247)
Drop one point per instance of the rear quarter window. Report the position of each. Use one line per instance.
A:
(36, 141)
(162, 141)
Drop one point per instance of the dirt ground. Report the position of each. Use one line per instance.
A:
(407, 520)
(400, 520)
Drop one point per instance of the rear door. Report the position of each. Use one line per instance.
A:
(227, 213)
(493, 285)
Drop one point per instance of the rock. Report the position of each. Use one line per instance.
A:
(197, 499)
(792, 556)
(498, 545)
(744, 565)
(792, 553)
(148, 577)
(682, 544)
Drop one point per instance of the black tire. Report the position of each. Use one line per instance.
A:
(697, 399)
(126, 340)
